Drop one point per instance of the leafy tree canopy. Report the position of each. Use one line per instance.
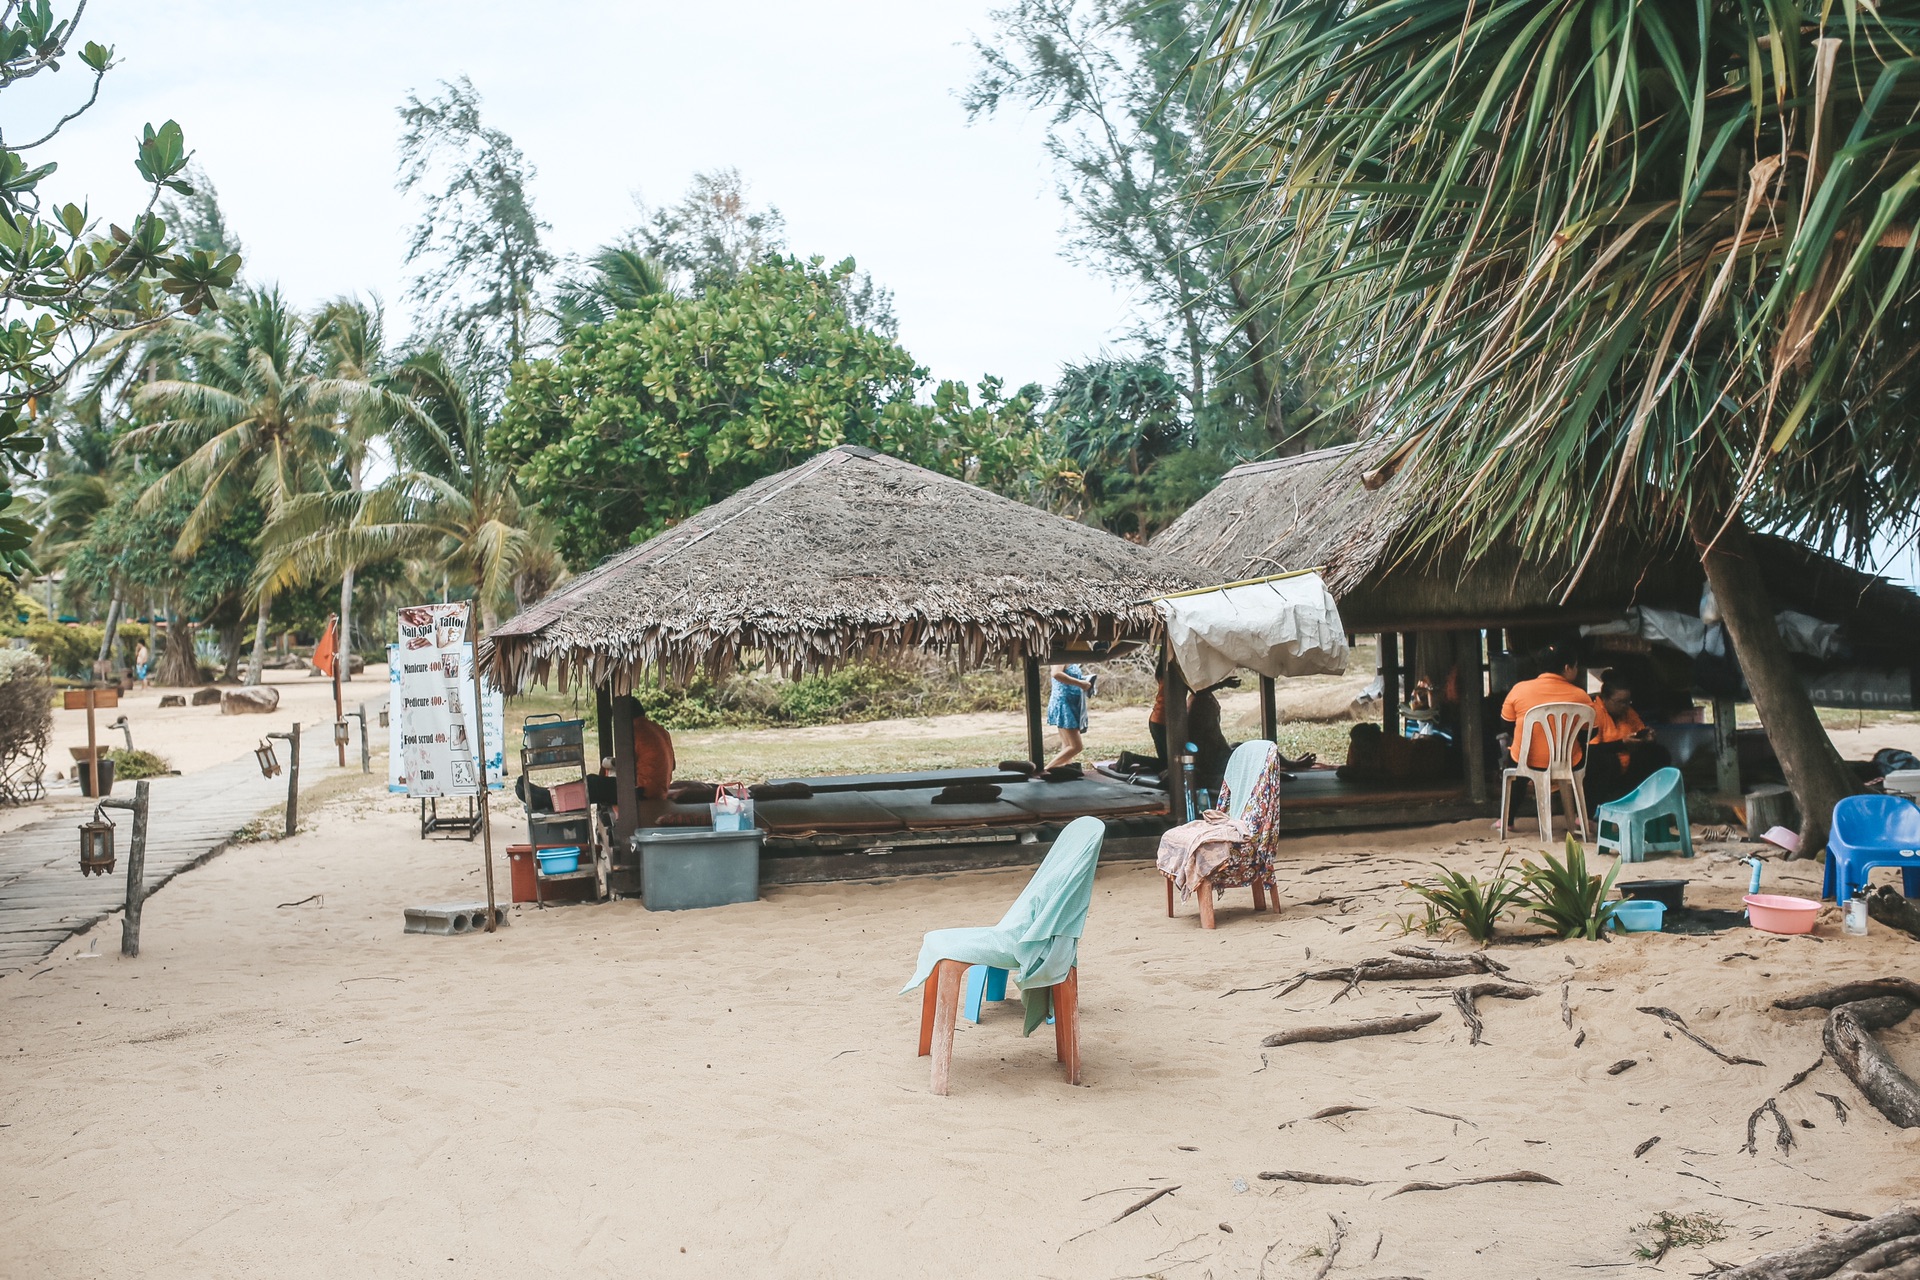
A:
(683, 400)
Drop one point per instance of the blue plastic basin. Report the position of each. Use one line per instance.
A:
(557, 862)
(1640, 915)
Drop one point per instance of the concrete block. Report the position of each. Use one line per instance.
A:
(453, 917)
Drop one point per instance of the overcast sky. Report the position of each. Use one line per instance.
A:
(840, 112)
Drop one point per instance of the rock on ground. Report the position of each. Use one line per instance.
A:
(257, 700)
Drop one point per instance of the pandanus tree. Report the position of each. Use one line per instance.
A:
(1605, 264)
(252, 416)
(450, 507)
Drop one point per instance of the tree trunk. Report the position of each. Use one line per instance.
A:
(230, 649)
(345, 636)
(179, 668)
(1814, 770)
(259, 662)
(106, 636)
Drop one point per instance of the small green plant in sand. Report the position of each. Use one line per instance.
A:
(1565, 899)
(1678, 1231)
(1472, 905)
(131, 766)
(1427, 926)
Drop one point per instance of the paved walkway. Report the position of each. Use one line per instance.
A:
(44, 900)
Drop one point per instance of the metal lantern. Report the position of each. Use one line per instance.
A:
(340, 738)
(383, 717)
(96, 844)
(269, 764)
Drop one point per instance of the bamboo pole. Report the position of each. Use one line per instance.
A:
(479, 722)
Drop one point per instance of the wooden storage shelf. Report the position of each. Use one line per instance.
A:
(550, 743)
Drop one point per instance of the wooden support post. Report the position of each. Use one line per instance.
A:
(340, 716)
(1473, 715)
(136, 873)
(1726, 753)
(1036, 713)
(626, 791)
(292, 739)
(93, 751)
(1269, 710)
(1390, 683)
(602, 724)
(1179, 792)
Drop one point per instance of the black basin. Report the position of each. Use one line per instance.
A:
(1671, 892)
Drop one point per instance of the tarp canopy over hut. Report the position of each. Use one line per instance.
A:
(850, 555)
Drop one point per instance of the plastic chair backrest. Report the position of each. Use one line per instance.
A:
(1659, 786)
(1877, 822)
(1244, 767)
(1055, 901)
(1562, 723)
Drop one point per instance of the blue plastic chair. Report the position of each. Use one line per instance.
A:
(1652, 818)
(984, 983)
(1869, 832)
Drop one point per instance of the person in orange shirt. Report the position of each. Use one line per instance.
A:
(1556, 683)
(652, 757)
(1625, 754)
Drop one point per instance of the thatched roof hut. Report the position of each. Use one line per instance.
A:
(1315, 511)
(850, 554)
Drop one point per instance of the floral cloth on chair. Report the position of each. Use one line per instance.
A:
(1252, 859)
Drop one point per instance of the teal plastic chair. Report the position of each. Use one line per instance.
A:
(1037, 941)
(1652, 818)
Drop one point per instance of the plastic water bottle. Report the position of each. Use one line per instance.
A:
(1186, 783)
(1854, 922)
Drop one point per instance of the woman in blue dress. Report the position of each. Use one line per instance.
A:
(1067, 711)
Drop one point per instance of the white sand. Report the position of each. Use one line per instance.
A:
(306, 1091)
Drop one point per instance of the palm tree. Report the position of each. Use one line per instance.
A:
(253, 416)
(450, 506)
(352, 339)
(1596, 266)
(613, 279)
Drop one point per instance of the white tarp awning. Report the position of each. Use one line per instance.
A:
(1283, 626)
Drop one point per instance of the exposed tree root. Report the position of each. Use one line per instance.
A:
(1406, 963)
(1889, 908)
(1783, 1138)
(1680, 1025)
(1350, 1030)
(1466, 994)
(1317, 1179)
(1855, 1010)
(1333, 1248)
(1520, 1175)
(1826, 1254)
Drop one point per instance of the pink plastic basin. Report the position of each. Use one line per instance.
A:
(1778, 913)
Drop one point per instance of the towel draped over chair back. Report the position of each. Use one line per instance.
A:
(1245, 768)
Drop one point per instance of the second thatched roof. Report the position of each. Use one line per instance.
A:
(850, 554)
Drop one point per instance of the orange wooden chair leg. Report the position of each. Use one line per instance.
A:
(1259, 896)
(1204, 891)
(946, 979)
(929, 992)
(1066, 1024)
(1169, 897)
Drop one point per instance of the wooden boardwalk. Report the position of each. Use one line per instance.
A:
(44, 900)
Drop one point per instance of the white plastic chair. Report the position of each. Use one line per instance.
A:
(1563, 724)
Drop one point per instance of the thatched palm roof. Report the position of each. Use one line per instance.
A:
(1314, 510)
(850, 554)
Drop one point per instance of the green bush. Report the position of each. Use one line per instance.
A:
(68, 648)
(131, 766)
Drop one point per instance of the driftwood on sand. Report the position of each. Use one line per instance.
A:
(1855, 1010)
(1404, 964)
(1350, 1030)
(1680, 1024)
(1519, 1175)
(1878, 1243)
(1891, 909)
(1466, 994)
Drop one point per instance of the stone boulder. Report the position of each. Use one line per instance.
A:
(206, 697)
(257, 700)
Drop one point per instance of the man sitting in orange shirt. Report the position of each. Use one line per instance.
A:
(1559, 669)
(1625, 754)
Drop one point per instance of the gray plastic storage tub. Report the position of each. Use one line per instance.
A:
(682, 867)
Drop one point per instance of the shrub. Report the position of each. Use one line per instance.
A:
(26, 724)
(1472, 905)
(1565, 898)
(131, 766)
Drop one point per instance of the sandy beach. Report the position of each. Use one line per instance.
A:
(306, 1091)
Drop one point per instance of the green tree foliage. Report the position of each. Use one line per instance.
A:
(478, 242)
(684, 400)
(1126, 129)
(1602, 264)
(612, 279)
(713, 235)
(65, 283)
(1116, 419)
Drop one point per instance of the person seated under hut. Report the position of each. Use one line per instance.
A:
(1624, 752)
(1559, 671)
(653, 761)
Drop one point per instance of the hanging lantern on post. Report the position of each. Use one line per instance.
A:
(269, 763)
(340, 738)
(96, 844)
(383, 717)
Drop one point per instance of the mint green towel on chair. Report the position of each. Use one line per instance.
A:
(1038, 940)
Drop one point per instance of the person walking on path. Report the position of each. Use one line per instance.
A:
(1067, 711)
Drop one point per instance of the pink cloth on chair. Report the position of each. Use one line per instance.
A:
(1191, 852)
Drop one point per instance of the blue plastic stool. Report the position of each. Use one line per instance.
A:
(1652, 818)
(984, 982)
(1869, 832)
